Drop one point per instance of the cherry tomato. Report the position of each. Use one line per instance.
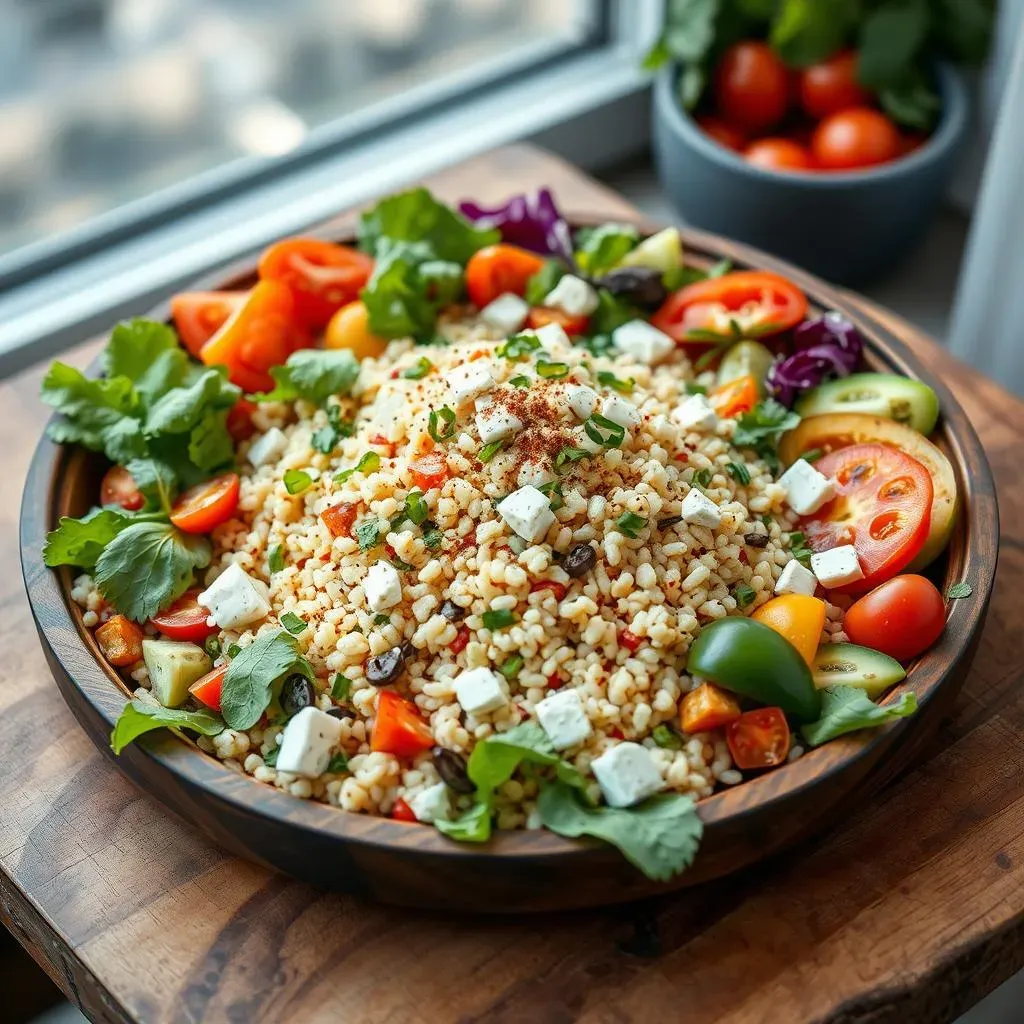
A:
(118, 488)
(901, 618)
(797, 617)
(401, 811)
(882, 507)
(541, 316)
(350, 328)
(207, 505)
(734, 397)
(185, 619)
(198, 316)
(207, 690)
(724, 133)
(398, 727)
(323, 276)
(832, 86)
(497, 269)
(630, 641)
(120, 641)
(707, 707)
(429, 471)
(751, 86)
(758, 739)
(860, 137)
(779, 155)
(556, 588)
(239, 422)
(759, 301)
(339, 518)
(263, 332)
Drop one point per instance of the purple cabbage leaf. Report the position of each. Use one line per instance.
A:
(826, 347)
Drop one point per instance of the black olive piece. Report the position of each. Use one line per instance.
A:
(341, 713)
(669, 521)
(408, 651)
(579, 561)
(452, 769)
(643, 285)
(385, 668)
(756, 540)
(296, 694)
(452, 612)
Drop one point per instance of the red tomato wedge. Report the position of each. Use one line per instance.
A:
(118, 488)
(735, 397)
(198, 316)
(758, 301)
(497, 269)
(882, 507)
(398, 728)
(401, 811)
(541, 316)
(208, 689)
(263, 332)
(207, 505)
(430, 470)
(323, 276)
(185, 619)
(758, 739)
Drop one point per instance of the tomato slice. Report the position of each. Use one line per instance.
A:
(323, 276)
(398, 728)
(207, 505)
(882, 507)
(429, 470)
(118, 488)
(758, 739)
(198, 316)
(707, 707)
(541, 316)
(401, 811)
(758, 301)
(339, 518)
(263, 332)
(735, 397)
(497, 269)
(120, 641)
(185, 619)
(208, 689)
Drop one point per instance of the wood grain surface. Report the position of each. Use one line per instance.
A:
(910, 910)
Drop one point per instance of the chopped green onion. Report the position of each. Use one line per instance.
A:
(520, 381)
(369, 463)
(519, 346)
(368, 534)
(293, 623)
(552, 490)
(341, 687)
(630, 524)
(693, 388)
(490, 450)
(569, 455)
(275, 559)
(599, 344)
(270, 757)
(552, 370)
(296, 481)
(958, 590)
(738, 472)
(510, 668)
(382, 620)
(212, 646)
(609, 380)
(702, 478)
(416, 508)
(744, 594)
(432, 536)
(798, 548)
(418, 371)
(767, 520)
(666, 738)
(499, 619)
(400, 565)
(812, 455)
(445, 413)
(616, 432)
(338, 763)
(234, 650)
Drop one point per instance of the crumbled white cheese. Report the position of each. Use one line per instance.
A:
(562, 717)
(837, 566)
(495, 422)
(432, 804)
(507, 313)
(470, 380)
(479, 691)
(580, 400)
(806, 489)
(620, 410)
(643, 341)
(551, 336)
(626, 774)
(307, 742)
(235, 599)
(573, 295)
(796, 579)
(268, 447)
(695, 413)
(700, 510)
(382, 586)
(528, 513)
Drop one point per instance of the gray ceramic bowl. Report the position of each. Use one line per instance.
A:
(844, 226)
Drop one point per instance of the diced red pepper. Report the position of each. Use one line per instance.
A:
(398, 728)
(631, 641)
(556, 588)
(120, 641)
(339, 518)
(429, 471)
(208, 689)
(555, 682)
(458, 645)
(401, 811)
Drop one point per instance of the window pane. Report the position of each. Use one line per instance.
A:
(106, 101)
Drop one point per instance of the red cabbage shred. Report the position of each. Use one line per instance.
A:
(530, 220)
(826, 347)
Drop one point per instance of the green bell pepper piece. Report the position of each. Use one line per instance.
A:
(754, 661)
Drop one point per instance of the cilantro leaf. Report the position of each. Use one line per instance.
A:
(210, 446)
(761, 428)
(148, 354)
(541, 284)
(177, 411)
(495, 759)
(313, 374)
(846, 709)
(958, 590)
(252, 673)
(81, 541)
(138, 718)
(295, 624)
(612, 311)
(157, 481)
(601, 248)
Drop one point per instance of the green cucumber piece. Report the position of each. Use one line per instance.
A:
(877, 394)
(861, 667)
(173, 667)
(746, 359)
(663, 251)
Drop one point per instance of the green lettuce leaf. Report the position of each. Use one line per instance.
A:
(495, 759)
(138, 718)
(157, 481)
(846, 709)
(179, 410)
(541, 284)
(314, 375)
(148, 354)
(210, 446)
(600, 249)
(81, 541)
(473, 826)
(612, 312)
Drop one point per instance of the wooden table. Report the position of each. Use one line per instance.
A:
(911, 911)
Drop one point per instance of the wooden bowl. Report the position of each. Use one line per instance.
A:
(516, 871)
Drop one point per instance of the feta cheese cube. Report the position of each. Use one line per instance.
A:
(495, 422)
(620, 410)
(268, 447)
(382, 586)
(700, 510)
(562, 717)
(479, 691)
(626, 774)
(432, 804)
(234, 599)
(581, 439)
(695, 413)
(837, 566)
(581, 400)
(806, 489)
(528, 513)
(573, 295)
(796, 579)
(550, 336)
(307, 742)
(470, 380)
(507, 313)
(533, 473)
(643, 341)
(388, 403)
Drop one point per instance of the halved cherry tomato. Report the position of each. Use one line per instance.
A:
(855, 138)
(198, 316)
(401, 811)
(339, 518)
(751, 86)
(724, 133)
(735, 397)
(901, 618)
(350, 328)
(497, 269)
(556, 588)
(207, 505)
(882, 507)
(430, 470)
(120, 641)
(263, 332)
(207, 690)
(797, 617)
(323, 276)
(831, 86)
(776, 154)
(707, 707)
(759, 301)
(185, 619)
(541, 316)
(118, 488)
(758, 739)
(398, 728)
(239, 423)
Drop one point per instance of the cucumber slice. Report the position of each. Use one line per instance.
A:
(173, 667)
(850, 665)
(746, 358)
(877, 394)
(663, 251)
